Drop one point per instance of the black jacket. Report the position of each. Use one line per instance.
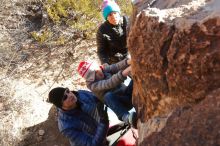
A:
(111, 42)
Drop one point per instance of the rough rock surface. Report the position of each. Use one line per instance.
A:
(175, 51)
(196, 126)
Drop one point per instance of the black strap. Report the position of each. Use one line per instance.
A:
(134, 135)
(116, 128)
(121, 134)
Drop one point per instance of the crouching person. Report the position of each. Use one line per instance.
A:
(81, 116)
(106, 82)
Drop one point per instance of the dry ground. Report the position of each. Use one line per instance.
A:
(26, 117)
(28, 70)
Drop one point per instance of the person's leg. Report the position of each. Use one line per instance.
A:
(113, 102)
(124, 90)
(129, 89)
(125, 95)
(122, 112)
(126, 100)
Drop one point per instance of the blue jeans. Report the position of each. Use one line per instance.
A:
(120, 100)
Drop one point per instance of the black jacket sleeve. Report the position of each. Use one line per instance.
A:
(101, 45)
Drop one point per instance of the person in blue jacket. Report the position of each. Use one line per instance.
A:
(81, 116)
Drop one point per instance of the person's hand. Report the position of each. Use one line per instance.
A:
(126, 72)
(102, 111)
(119, 56)
(104, 65)
(129, 61)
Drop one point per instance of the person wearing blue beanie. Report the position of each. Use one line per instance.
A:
(111, 34)
(109, 7)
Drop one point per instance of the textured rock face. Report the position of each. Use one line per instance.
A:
(197, 126)
(175, 49)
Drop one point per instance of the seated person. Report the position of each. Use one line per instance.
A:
(81, 116)
(106, 82)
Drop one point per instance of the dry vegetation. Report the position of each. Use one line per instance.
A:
(37, 53)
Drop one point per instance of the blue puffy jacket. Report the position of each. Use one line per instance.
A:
(81, 125)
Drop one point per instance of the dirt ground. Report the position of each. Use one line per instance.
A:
(28, 71)
(26, 114)
(27, 119)
(45, 133)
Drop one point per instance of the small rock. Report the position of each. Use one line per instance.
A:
(39, 138)
(41, 132)
(1, 106)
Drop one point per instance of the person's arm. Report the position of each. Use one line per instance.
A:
(114, 68)
(126, 24)
(127, 71)
(107, 84)
(79, 138)
(101, 45)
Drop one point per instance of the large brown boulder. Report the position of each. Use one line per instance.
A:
(175, 51)
(191, 126)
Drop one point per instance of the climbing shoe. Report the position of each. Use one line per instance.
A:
(131, 119)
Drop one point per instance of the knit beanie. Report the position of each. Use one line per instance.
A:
(55, 96)
(87, 70)
(109, 6)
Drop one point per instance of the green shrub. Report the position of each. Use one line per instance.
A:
(41, 36)
(83, 15)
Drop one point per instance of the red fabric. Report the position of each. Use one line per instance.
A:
(83, 67)
(127, 139)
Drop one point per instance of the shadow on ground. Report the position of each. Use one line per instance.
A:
(51, 136)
